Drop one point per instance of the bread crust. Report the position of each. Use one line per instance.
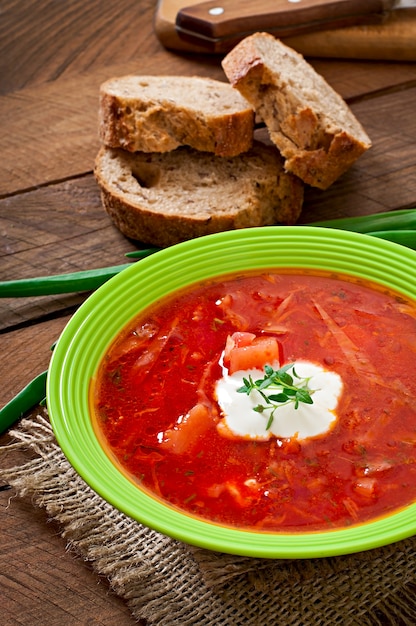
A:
(311, 125)
(161, 113)
(163, 199)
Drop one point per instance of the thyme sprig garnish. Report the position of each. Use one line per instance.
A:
(289, 390)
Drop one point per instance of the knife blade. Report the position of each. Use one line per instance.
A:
(219, 25)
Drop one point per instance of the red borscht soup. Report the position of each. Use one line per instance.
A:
(182, 401)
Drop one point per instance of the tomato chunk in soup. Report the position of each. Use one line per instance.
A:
(156, 411)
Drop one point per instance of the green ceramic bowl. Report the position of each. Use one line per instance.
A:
(94, 326)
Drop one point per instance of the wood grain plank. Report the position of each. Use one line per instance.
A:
(44, 583)
(44, 40)
(356, 80)
(41, 40)
(54, 230)
(30, 351)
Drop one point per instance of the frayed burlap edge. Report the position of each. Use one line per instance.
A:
(169, 583)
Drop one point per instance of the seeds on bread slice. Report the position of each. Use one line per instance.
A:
(164, 198)
(311, 125)
(161, 113)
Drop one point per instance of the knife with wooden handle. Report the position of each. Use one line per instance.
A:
(394, 39)
(218, 25)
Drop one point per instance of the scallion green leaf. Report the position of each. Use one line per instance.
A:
(405, 238)
(401, 219)
(27, 398)
(86, 280)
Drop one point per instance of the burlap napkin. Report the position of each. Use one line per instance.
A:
(169, 583)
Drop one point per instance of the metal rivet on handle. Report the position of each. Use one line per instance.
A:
(216, 11)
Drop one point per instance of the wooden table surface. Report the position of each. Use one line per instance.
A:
(53, 57)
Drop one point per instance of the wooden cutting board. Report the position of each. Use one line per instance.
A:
(393, 40)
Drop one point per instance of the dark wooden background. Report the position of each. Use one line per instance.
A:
(53, 57)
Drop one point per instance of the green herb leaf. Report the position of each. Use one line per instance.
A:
(279, 397)
(282, 382)
(291, 392)
(285, 379)
(304, 396)
(270, 422)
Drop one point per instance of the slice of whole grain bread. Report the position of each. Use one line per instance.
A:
(311, 125)
(161, 113)
(164, 198)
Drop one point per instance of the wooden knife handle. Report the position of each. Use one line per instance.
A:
(215, 21)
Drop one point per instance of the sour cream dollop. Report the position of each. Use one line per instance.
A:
(308, 420)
